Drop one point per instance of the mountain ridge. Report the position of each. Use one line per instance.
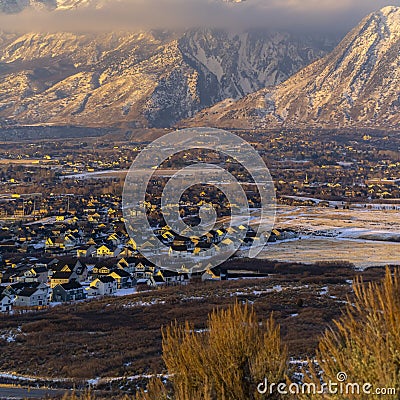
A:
(142, 79)
(356, 85)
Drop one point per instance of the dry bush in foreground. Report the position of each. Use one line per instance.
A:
(366, 342)
(227, 360)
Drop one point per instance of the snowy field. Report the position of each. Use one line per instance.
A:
(361, 253)
(361, 236)
(358, 223)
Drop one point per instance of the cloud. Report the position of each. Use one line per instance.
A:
(122, 15)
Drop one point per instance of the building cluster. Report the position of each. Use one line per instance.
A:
(36, 283)
(77, 255)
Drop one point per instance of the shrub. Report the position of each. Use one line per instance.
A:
(365, 343)
(227, 360)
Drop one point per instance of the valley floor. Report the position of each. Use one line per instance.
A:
(115, 343)
(362, 236)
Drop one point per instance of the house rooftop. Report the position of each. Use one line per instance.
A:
(106, 279)
(71, 285)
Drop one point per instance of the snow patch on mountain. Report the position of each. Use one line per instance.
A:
(357, 84)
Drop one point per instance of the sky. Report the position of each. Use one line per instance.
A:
(296, 15)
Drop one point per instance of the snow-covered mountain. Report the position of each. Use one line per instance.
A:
(357, 84)
(140, 79)
(16, 6)
(245, 62)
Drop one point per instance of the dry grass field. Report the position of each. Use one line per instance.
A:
(121, 338)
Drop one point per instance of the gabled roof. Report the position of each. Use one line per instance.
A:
(40, 270)
(27, 292)
(109, 263)
(72, 285)
(3, 295)
(61, 275)
(106, 279)
(120, 272)
(168, 274)
(20, 286)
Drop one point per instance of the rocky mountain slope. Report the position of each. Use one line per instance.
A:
(245, 62)
(140, 79)
(357, 84)
(16, 6)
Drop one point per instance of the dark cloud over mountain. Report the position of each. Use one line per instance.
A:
(107, 15)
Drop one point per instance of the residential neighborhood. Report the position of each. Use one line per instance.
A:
(81, 257)
(62, 230)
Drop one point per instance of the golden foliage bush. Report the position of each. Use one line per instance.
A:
(155, 390)
(236, 352)
(365, 343)
(227, 360)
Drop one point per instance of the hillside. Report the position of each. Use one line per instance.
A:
(143, 79)
(356, 85)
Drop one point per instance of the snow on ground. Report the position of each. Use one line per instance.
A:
(193, 298)
(361, 253)
(141, 303)
(276, 288)
(10, 335)
(324, 291)
(353, 223)
(364, 237)
(16, 377)
(97, 174)
(125, 292)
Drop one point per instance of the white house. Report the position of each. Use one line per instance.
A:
(35, 274)
(6, 302)
(103, 286)
(33, 296)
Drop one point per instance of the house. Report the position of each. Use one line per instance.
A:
(81, 270)
(71, 240)
(70, 291)
(123, 264)
(35, 274)
(128, 264)
(105, 251)
(33, 296)
(140, 270)
(6, 302)
(210, 275)
(122, 278)
(63, 266)
(103, 268)
(127, 251)
(104, 285)
(59, 278)
(71, 265)
(173, 277)
(157, 281)
(46, 262)
(87, 250)
(114, 239)
(170, 277)
(54, 243)
(143, 270)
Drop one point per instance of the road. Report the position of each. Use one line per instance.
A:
(9, 393)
